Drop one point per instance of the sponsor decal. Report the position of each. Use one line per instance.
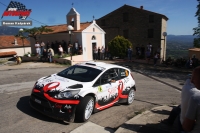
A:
(67, 107)
(100, 89)
(126, 80)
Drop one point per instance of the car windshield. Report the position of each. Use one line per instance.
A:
(80, 73)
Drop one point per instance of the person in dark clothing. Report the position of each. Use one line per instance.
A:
(48, 45)
(142, 52)
(44, 56)
(99, 51)
(130, 52)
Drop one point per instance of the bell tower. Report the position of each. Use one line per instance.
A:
(73, 19)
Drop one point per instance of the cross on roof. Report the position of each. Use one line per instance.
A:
(72, 4)
(93, 17)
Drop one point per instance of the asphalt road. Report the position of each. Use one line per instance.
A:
(17, 116)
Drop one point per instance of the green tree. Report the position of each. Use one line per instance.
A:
(196, 42)
(119, 46)
(197, 29)
(33, 32)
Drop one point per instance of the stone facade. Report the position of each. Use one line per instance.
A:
(137, 25)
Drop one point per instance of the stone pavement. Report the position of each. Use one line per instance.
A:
(144, 122)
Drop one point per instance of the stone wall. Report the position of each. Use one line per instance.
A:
(137, 26)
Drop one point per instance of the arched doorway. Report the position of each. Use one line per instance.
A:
(94, 44)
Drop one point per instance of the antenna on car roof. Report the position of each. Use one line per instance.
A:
(90, 64)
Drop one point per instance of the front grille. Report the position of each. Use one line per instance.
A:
(45, 104)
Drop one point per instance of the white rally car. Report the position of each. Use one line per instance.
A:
(82, 89)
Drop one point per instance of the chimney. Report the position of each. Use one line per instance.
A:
(141, 7)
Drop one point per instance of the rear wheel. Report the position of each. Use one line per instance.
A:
(131, 96)
(85, 108)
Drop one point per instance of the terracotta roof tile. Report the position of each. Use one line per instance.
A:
(9, 41)
(63, 28)
(194, 49)
(10, 53)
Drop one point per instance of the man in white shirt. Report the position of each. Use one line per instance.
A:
(60, 49)
(37, 48)
(191, 120)
(102, 52)
(76, 47)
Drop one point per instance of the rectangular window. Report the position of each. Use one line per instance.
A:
(103, 22)
(125, 17)
(126, 33)
(151, 18)
(150, 33)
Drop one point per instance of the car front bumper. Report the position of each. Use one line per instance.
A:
(65, 112)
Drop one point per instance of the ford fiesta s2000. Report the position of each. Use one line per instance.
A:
(82, 89)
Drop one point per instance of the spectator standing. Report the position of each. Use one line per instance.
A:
(149, 47)
(138, 51)
(99, 53)
(191, 122)
(76, 47)
(44, 56)
(194, 61)
(50, 55)
(95, 50)
(42, 46)
(130, 52)
(155, 58)
(102, 52)
(37, 48)
(148, 56)
(19, 60)
(69, 50)
(52, 51)
(60, 49)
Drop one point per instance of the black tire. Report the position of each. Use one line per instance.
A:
(131, 95)
(81, 109)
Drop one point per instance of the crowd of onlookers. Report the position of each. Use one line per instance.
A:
(191, 62)
(46, 51)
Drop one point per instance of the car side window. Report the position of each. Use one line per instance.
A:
(106, 76)
(123, 73)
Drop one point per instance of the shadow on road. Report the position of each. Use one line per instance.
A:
(23, 105)
(148, 102)
(150, 128)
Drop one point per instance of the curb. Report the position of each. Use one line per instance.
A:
(120, 129)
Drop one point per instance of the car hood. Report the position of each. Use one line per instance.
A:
(58, 83)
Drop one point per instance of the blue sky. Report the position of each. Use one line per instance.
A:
(181, 13)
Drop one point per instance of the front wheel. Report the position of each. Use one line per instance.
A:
(85, 108)
(130, 98)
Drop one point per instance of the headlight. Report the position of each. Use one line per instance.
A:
(67, 94)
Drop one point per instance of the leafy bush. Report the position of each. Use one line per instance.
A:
(119, 46)
(64, 56)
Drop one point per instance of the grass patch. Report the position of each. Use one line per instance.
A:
(3, 61)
